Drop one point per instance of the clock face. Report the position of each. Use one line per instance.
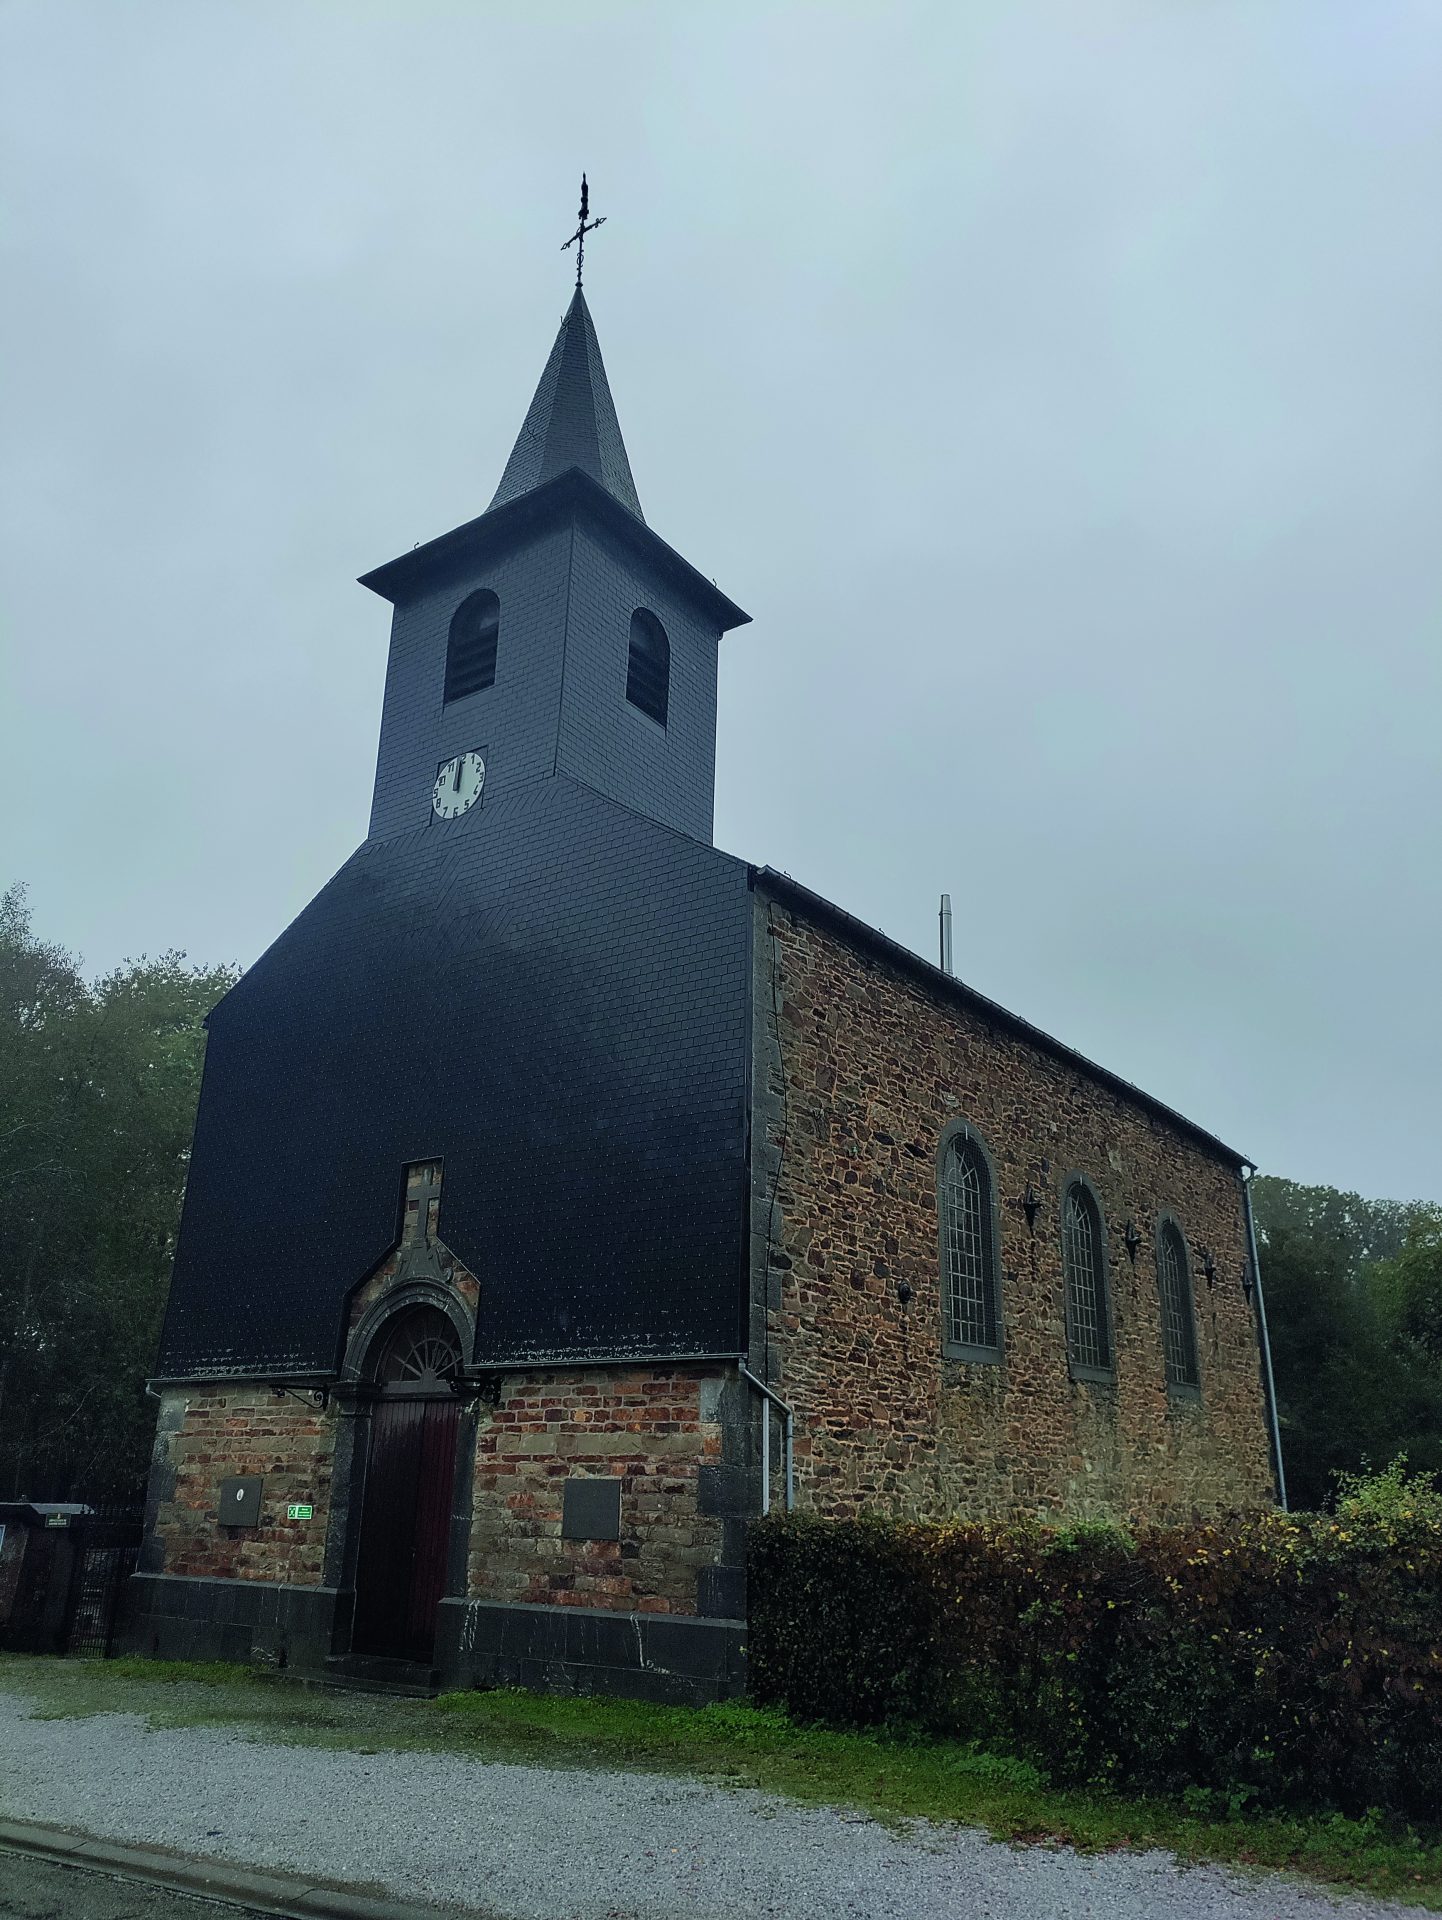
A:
(458, 786)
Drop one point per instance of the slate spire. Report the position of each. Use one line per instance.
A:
(572, 420)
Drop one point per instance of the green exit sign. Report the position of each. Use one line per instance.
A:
(294, 1512)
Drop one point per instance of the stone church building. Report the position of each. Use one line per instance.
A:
(565, 1191)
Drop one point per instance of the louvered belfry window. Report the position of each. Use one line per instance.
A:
(471, 649)
(1179, 1331)
(1089, 1340)
(648, 668)
(970, 1317)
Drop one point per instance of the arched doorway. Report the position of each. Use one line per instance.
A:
(410, 1475)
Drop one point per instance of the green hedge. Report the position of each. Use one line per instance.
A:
(1284, 1661)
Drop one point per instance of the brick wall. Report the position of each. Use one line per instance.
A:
(655, 1427)
(876, 1065)
(206, 1434)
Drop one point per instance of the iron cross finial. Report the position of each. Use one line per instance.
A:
(584, 226)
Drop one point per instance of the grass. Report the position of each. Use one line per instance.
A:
(737, 1746)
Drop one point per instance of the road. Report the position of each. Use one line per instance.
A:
(33, 1889)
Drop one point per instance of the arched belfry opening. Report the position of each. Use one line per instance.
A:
(409, 1483)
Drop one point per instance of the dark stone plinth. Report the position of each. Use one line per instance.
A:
(176, 1617)
(673, 1659)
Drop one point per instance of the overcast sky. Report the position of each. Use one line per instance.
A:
(1059, 387)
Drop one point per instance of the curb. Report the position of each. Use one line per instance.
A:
(292, 1896)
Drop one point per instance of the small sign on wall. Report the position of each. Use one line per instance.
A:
(240, 1501)
(297, 1510)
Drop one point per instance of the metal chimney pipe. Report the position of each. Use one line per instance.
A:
(945, 918)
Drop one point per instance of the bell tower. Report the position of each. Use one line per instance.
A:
(555, 636)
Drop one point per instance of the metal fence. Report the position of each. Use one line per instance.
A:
(107, 1546)
(100, 1577)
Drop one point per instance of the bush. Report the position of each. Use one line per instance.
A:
(1284, 1661)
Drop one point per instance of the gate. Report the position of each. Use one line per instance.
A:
(69, 1564)
(107, 1547)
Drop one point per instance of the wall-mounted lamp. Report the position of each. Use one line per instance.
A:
(904, 1293)
(1031, 1206)
(1132, 1240)
(1209, 1269)
(1248, 1284)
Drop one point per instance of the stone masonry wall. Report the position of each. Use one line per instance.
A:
(876, 1065)
(659, 1429)
(208, 1433)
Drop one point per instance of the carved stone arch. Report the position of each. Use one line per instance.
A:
(376, 1324)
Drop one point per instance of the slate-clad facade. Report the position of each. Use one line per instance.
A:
(552, 1001)
(564, 1189)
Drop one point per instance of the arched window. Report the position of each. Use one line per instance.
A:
(419, 1354)
(471, 649)
(648, 669)
(1179, 1327)
(1084, 1265)
(970, 1289)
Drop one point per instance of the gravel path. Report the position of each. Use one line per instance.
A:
(542, 1845)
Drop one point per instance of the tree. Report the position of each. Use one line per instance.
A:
(1411, 1284)
(1356, 1337)
(1361, 1230)
(98, 1087)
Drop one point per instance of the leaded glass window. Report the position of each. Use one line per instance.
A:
(1179, 1332)
(1089, 1339)
(970, 1317)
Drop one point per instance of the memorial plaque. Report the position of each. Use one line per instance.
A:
(591, 1510)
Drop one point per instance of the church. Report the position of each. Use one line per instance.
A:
(567, 1192)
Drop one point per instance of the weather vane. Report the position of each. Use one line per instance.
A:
(585, 226)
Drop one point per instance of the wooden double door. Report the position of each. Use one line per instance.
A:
(408, 1493)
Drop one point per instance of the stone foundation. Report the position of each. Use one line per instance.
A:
(171, 1617)
(580, 1650)
(674, 1660)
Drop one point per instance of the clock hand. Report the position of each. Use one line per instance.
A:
(456, 779)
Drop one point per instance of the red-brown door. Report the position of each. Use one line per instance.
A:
(405, 1526)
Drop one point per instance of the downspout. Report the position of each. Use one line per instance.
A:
(1268, 1383)
(788, 1423)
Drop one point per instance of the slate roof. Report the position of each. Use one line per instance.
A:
(496, 528)
(860, 934)
(572, 420)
